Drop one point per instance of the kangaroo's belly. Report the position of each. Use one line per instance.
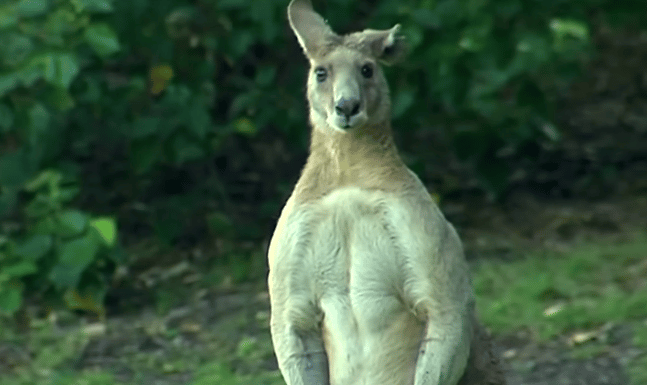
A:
(370, 335)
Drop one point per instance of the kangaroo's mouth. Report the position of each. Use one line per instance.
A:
(343, 123)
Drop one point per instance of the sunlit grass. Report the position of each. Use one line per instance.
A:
(551, 294)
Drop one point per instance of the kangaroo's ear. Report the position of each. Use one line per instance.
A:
(386, 45)
(311, 29)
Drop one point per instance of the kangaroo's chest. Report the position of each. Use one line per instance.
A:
(355, 255)
(355, 251)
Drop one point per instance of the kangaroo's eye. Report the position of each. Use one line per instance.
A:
(367, 71)
(321, 74)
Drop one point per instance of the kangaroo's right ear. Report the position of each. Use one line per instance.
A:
(311, 29)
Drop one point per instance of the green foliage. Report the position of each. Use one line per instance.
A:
(484, 69)
(165, 85)
(62, 251)
(43, 52)
(11, 286)
(44, 49)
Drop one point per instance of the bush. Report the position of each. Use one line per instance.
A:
(122, 92)
(64, 252)
(55, 248)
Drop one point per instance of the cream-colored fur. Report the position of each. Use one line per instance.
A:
(368, 282)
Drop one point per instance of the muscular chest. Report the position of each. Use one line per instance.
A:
(348, 253)
(353, 247)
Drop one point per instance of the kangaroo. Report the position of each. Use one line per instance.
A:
(368, 282)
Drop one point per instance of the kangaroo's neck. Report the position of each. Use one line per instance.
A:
(365, 157)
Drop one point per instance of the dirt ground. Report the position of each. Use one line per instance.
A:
(225, 317)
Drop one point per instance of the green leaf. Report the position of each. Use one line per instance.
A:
(60, 24)
(42, 205)
(65, 276)
(92, 90)
(15, 48)
(72, 223)
(199, 120)
(241, 42)
(8, 17)
(8, 200)
(68, 69)
(45, 226)
(186, 150)
(19, 269)
(94, 6)
(60, 99)
(89, 300)
(32, 8)
(10, 299)
(8, 82)
(74, 257)
(570, 28)
(144, 154)
(245, 126)
(66, 194)
(6, 118)
(102, 38)
(265, 76)
(30, 73)
(13, 169)
(36, 247)
(46, 177)
(79, 251)
(107, 228)
(145, 126)
(49, 65)
(160, 76)
(38, 122)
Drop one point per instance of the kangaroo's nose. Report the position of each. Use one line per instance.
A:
(347, 107)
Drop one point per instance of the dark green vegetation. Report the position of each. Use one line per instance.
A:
(144, 140)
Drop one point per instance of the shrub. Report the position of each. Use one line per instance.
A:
(124, 91)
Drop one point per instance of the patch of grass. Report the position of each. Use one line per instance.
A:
(59, 378)
(638, 368)
(46, 357)
(218, 373)
(640, 333)
(638, 371)
(551, 294)
(588, 350)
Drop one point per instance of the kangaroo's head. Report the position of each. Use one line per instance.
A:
(346, 85)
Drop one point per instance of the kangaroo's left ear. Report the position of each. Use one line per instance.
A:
(386, 45)
(310, 28)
